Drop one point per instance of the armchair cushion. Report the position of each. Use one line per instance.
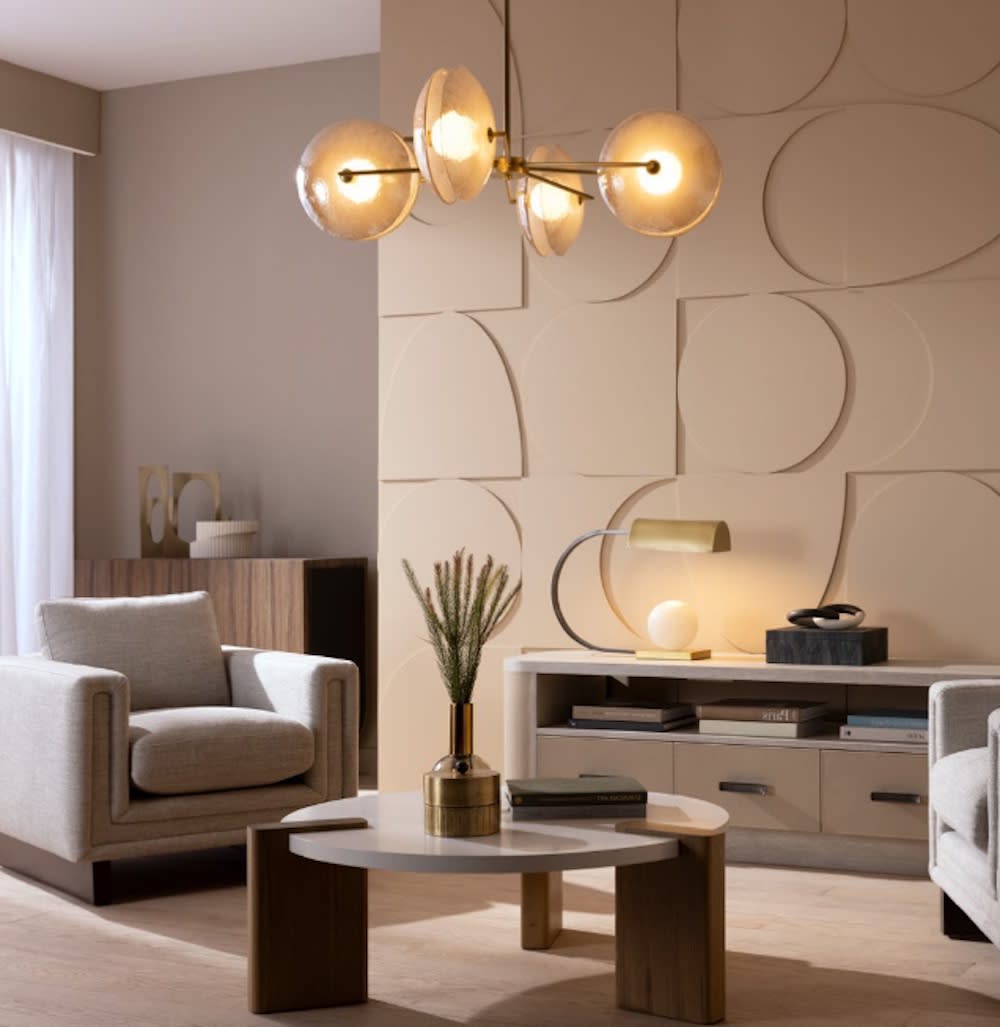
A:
(167, 646)
(958, 788)
(214, 748)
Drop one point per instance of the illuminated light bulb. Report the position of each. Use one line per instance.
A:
(666, 178)
(549, 202)
(453, 140)
(358, 206)
(672, 625)
(358, 188)
(551, 218)
(454, 136)
(680, 194)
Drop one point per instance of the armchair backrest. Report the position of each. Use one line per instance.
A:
(167, 646)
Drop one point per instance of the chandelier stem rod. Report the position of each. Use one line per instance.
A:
(506, 70)
(558, 185)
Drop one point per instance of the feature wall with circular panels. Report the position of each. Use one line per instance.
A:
(817, 363)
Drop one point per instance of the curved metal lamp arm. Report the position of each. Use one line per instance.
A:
(557, 609)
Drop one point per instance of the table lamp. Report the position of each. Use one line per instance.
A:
(671, 536)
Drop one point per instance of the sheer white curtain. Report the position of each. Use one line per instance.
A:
(36, 383)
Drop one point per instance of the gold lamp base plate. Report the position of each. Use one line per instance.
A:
(673, 654)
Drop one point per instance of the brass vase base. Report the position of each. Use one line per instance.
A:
(461, 798)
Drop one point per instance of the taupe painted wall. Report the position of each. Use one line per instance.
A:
(817, 362)
(217, 329)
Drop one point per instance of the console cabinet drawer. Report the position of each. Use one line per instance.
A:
(646, 761)
(872, 794)
(764, 786)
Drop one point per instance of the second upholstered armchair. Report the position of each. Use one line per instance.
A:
(135, 732)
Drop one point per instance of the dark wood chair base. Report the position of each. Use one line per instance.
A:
(88, 881)
(955, 923)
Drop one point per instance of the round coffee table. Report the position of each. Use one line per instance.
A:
(308, 895)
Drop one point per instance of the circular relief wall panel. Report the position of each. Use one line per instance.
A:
(761, 383)
(754, 56)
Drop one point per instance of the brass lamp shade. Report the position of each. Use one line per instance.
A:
(680, 182)
(351, 205)
(551, 217)
(680, 536)
(453, 134)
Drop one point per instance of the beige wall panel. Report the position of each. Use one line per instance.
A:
(890, 373)
(426, 524)
(394, 335)
(761, 385)
(785, 529)
(755, 56)
(558, 509)
(50, 109)
(730, 253)
(413, 717)
(607, 261)
(572, 79)
(850, 199)
(587, 414)
(925, 47)
(961, 427)
(450, 412)
(424, 269)
(924, 559)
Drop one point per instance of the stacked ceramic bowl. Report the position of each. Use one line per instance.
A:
(227, 539)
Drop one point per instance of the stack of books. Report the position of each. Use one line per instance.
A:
(633, 717)
(886, 726)
(770, 718)
(555, 798)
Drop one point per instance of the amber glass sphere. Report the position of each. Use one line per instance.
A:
(551, 218)
(678, 183)
(453, 140)
(350, 205)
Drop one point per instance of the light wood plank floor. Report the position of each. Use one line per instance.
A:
(805, 948)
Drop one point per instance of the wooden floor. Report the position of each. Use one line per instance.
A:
(805, 948)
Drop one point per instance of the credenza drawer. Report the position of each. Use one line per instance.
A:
(647, 761)
(764, 786)
(874, 794)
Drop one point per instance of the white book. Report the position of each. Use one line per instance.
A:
(855, 732)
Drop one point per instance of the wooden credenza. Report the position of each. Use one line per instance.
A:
(297, 605)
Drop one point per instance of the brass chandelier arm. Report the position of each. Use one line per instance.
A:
(594, 167)
(346, 174)
(557, 185)
(557, 571)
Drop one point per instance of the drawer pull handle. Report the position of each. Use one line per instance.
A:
(910, 798)
(742, 786)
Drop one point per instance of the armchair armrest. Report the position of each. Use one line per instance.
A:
(319, 692)
(63, 753)
(992, 801)
(957, 712)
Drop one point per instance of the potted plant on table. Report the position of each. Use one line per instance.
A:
(461, 793)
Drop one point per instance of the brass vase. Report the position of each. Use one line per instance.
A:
(461, 793)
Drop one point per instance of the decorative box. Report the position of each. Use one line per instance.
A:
(853, 647)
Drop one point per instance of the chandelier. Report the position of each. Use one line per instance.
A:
(658, 172)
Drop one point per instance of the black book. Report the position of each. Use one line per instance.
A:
(569, 791)
(629, 725)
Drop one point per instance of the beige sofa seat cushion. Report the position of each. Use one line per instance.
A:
(215, 748)
(167, 646)
(958, 786)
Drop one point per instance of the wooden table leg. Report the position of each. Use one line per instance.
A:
(670, 951)
(308, 923)
(541, 909)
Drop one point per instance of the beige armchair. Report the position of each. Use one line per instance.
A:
(135, 732)
(964, 734)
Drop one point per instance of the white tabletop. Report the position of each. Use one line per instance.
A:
(395, 838)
